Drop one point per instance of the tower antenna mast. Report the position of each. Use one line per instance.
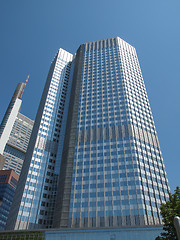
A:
(27, 80)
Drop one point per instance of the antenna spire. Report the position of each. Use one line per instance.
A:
(27, 80)
(23, 87)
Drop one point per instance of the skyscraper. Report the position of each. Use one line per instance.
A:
(10, 116)
(8, 183)
(94, 158)
(17, 144)
(15, 132)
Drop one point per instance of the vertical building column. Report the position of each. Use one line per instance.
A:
(61, 214)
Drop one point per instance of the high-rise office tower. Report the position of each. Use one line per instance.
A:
(17, 144)
(10, 115)
(15, 132)
(94, 158)
(8, 183)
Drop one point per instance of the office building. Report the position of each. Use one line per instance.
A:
(8, 183)
(17, 144)
(94, 159)
(15, 132)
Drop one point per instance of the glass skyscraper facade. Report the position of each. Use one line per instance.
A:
(94, 159)
(8, 183)
(38, 181)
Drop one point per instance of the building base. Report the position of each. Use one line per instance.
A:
(139, 233)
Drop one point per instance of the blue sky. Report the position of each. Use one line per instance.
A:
(31, 32)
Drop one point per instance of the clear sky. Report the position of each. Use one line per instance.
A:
(31, 32)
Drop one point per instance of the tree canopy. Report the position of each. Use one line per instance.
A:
(169, 210)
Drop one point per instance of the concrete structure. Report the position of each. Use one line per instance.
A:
(94, 159)
(138, 233)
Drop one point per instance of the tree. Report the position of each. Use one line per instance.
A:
(169, 210)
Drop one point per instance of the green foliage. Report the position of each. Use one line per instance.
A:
(169, 210)
(28, 235)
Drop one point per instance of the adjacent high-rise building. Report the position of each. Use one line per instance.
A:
(8, 183)
(15, 132)
(94, 158)
(17, 144)
(10, 116)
